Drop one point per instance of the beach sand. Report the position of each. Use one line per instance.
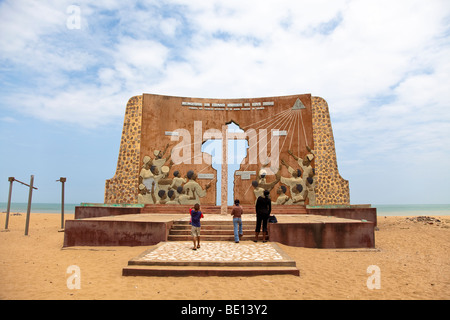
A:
(413, 259)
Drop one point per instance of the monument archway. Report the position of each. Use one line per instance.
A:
(287, 138)
(237, 152)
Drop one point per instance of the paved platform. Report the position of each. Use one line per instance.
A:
(212, 258)
(357, 212)
(313, 231)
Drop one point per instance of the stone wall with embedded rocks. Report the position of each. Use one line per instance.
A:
(123, 187)
(331, 188)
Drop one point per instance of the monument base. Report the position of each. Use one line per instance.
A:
(316, 228)
(358, 212)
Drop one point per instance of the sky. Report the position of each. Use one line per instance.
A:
(68, 68)
(236, 153)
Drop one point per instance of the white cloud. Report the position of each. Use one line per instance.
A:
(378, 62)
(382, 66)
(83, 106)
(23, 22)
(141, 56)
(8, 119)
(169, 27)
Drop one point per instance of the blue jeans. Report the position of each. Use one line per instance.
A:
(237, 223)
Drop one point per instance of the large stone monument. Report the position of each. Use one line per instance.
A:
(178, 151)
(290, 151)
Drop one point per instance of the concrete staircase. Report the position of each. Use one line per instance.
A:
(211, 231)
(220, 230)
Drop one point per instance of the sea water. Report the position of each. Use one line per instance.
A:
(38, 207)
(382, 209)
(412, 209)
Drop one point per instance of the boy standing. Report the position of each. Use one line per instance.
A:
(196, 215)
(237, 220)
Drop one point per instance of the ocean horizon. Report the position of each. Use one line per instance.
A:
(382, 209)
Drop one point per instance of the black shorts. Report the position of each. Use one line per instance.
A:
(261, 219)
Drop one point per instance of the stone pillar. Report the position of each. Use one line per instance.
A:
(224, 182)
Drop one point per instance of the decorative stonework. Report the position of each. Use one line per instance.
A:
(332, 189)
(123, 187)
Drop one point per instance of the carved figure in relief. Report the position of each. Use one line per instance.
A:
(261, 178)
(164, 182)
(283, 198)
(184, 197)
(310, 187)
(177, 180)
(305, 163)
(145, 196)
(159, 161)
(294, 180)
(173, 197)
(145, 171)
(298, 196)
(259, 188)
(153, 171)
(160, 177)
(162, 195)
(195, 189)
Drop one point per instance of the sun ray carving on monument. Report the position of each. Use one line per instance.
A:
(172, 165)
(292, 189)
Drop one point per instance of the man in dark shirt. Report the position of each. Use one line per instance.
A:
(263, 209)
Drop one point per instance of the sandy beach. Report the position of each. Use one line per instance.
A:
(412, 256)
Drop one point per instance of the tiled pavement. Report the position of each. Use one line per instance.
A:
(216, 258)
(214, 251)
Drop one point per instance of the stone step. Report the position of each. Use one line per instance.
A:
(209, 228)
(199, 271)
(213, 231)
(205, 220)
(206, 263)
(212, 225)
(224, 225)
(206, 231)
(211, 237)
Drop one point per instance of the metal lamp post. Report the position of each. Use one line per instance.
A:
(62, 180)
